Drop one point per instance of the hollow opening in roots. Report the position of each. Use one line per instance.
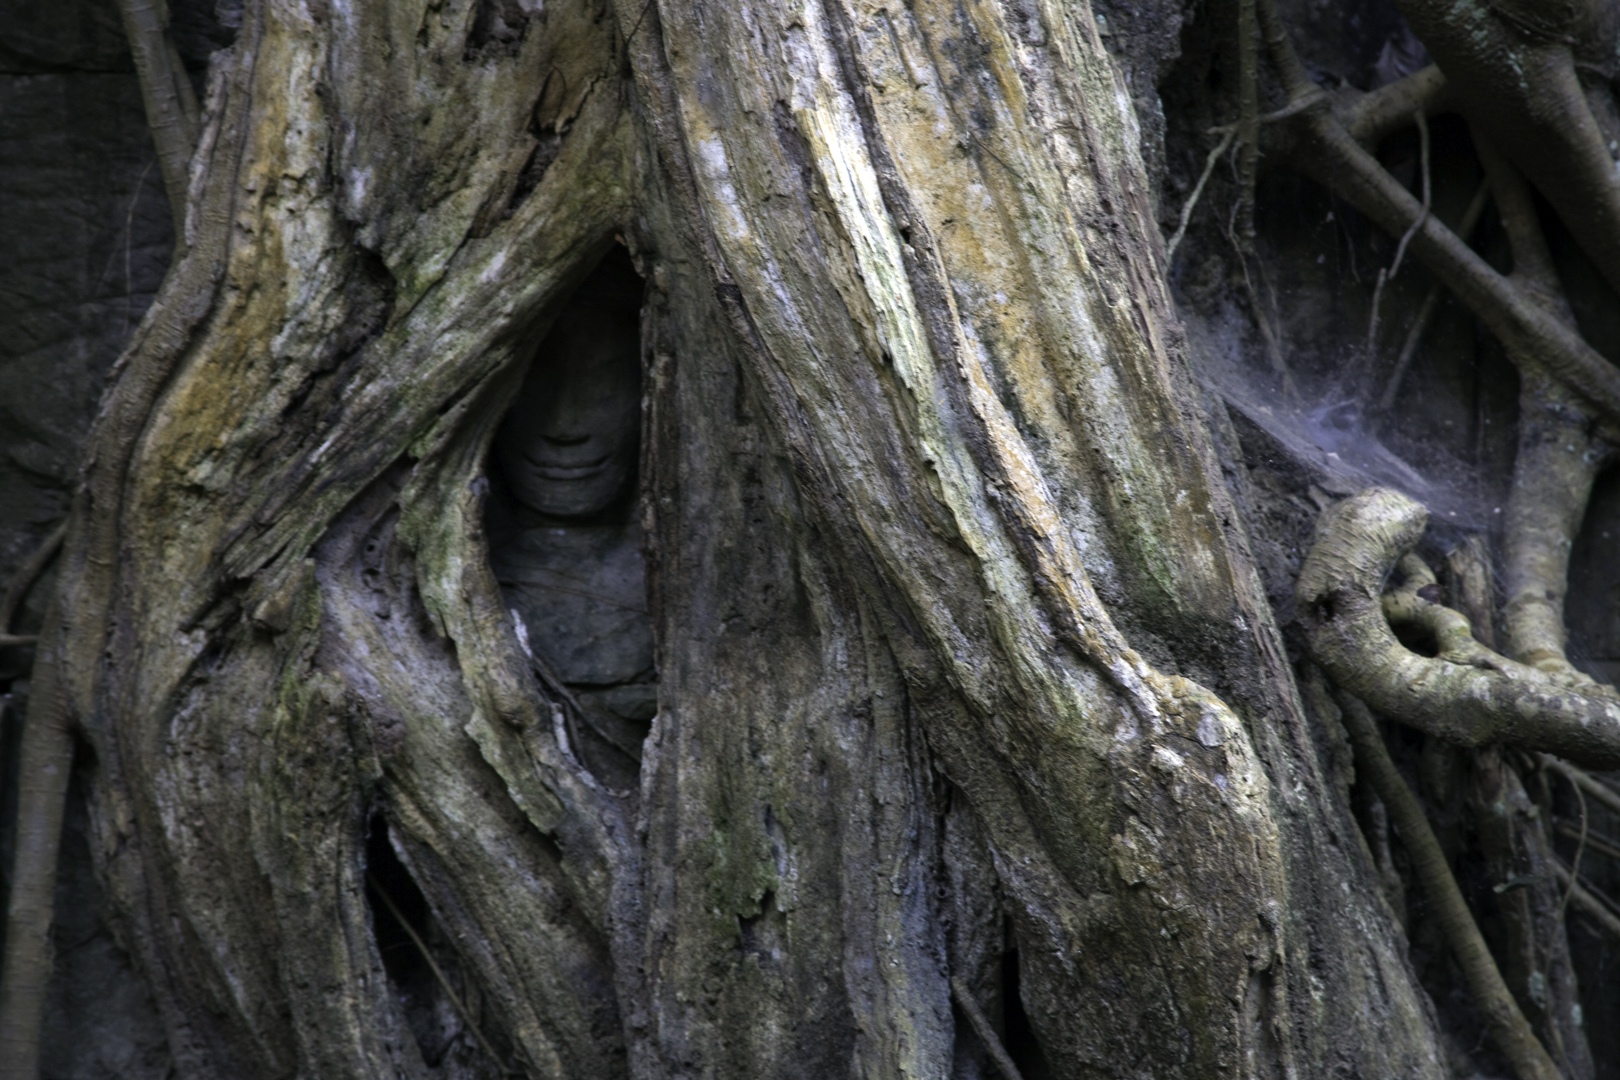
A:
(564, 522)
(1022, 1047)
(439, 1006)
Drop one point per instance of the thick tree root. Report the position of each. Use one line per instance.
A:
(1559, 457)
(1506, 1023)
(1415, 603)
(42, 779)
(1483, 699)
(171, 104)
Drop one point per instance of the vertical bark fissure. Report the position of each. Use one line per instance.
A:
(956, 495)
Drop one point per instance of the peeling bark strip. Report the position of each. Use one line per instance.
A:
(943, 570)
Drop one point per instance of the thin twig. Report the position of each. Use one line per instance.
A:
(421, 947)
(1431, 302)
(1294, 107)
(1268, 334)
(1597, 843)
(1587, 783)
(987, 1033)
(1198, 189)
(1580, 847)
(1406, 238)
(1588, 903)
(171, 103)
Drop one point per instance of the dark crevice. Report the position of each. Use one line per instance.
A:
(498, 29)
(1019, 1033)
(403, 926)
(548, 144)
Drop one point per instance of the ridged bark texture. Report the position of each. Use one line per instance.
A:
(956, 625)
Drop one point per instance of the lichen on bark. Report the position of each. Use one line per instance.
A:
(957, 625)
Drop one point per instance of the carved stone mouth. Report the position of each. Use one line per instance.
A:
(551, 470)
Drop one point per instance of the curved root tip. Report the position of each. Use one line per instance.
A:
(1470, 697)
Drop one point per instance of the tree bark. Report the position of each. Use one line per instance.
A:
(957, 622)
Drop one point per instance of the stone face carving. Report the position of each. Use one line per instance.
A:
(565, 541)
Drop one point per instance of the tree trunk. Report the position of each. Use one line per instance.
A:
(966, 676)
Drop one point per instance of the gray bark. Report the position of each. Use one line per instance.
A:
(958, 627)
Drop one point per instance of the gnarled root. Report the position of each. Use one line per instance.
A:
(1471, 700)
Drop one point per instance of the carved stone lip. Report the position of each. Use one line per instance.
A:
(553, 470)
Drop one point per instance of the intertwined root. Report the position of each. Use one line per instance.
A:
(1361, 581)
(1469, 694)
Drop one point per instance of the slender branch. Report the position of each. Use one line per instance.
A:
(1594, 843)
(1297, 83)
(1590, 905)
(1378, 113)
(1588, 783)
(1268, 334)
(1406, 237)
(26, 575)
(987, 1032)
(1506, 1022)
(1210, 162)
(1532, 260)
(45, 762)
(1431, 302)
(1580, 849)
